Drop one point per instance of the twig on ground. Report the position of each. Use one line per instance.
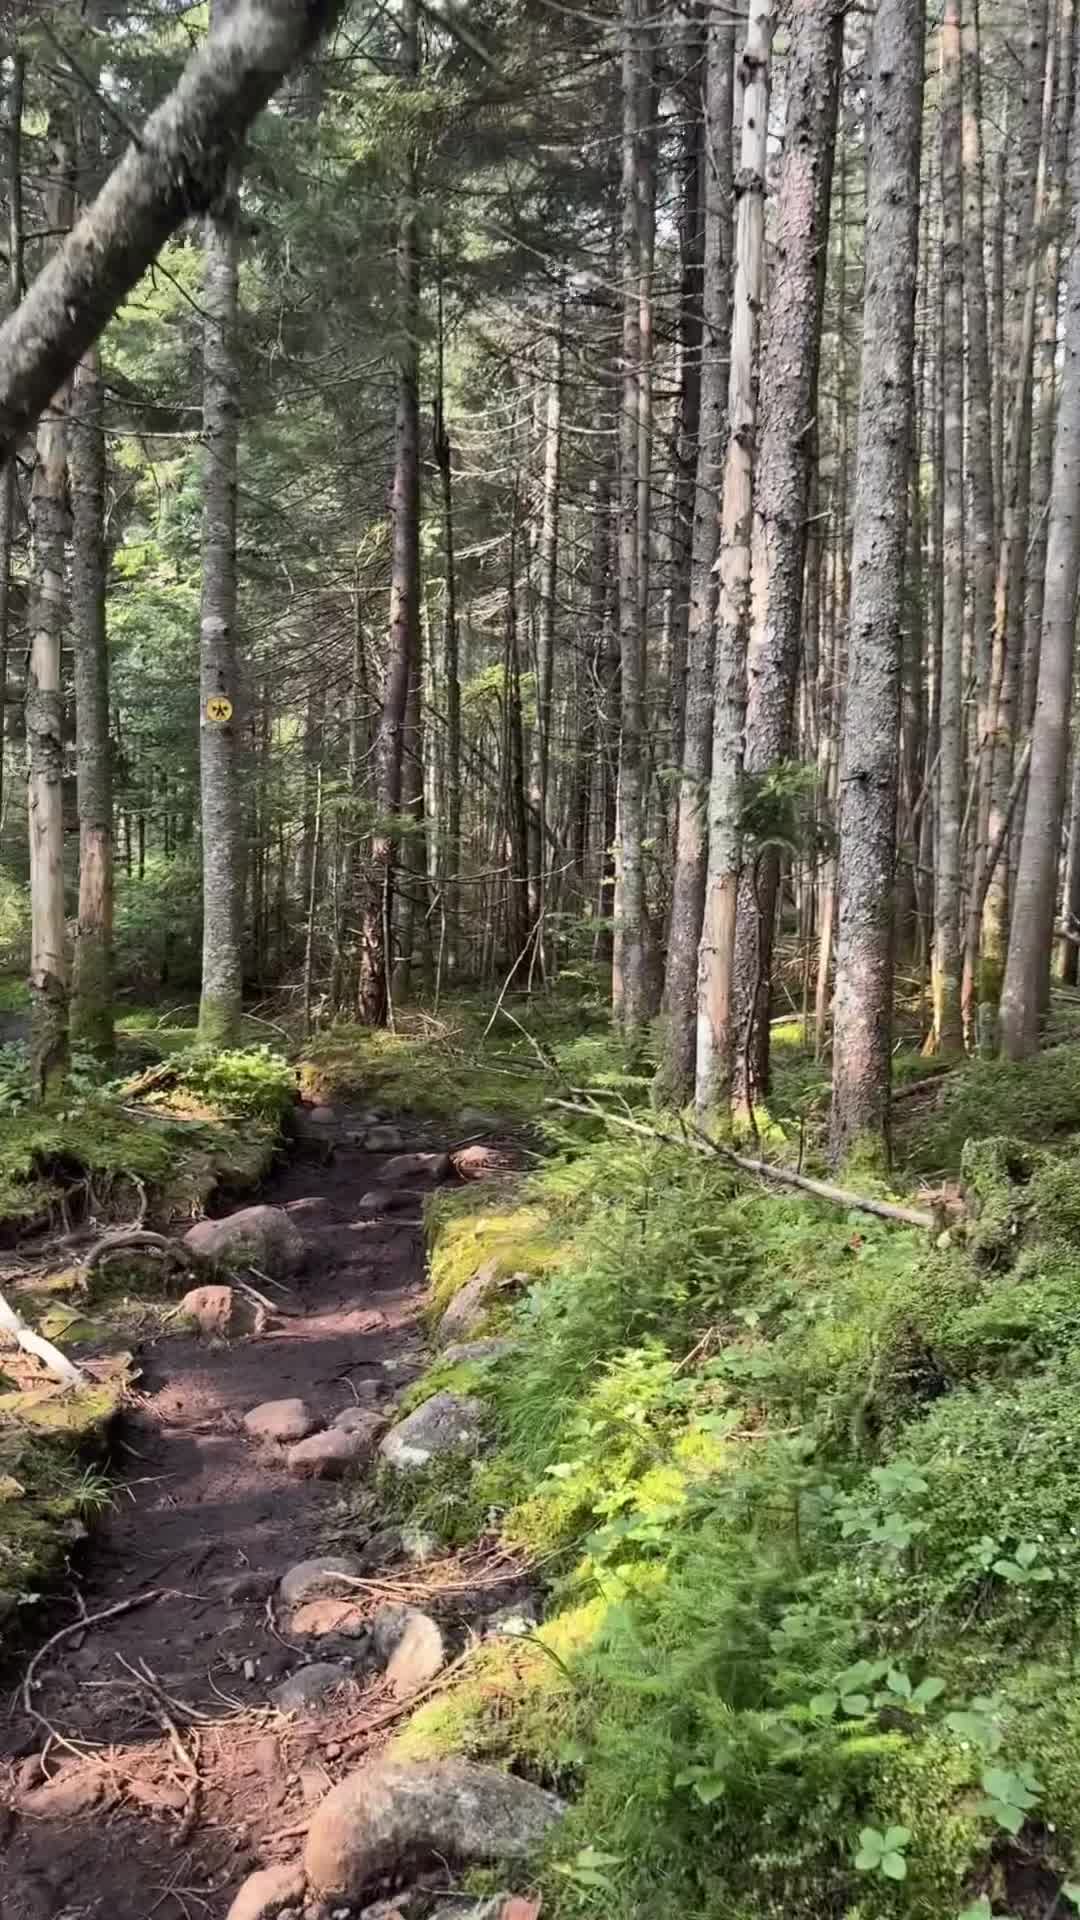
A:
(701, 1143)
(125, 1239)
(77, 1626)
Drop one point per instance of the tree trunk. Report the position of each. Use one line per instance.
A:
(220, 1002)
(8, 487)
(1015, 484)
(92, 1010)
(789, 398)
(404, 641)
(451, 668)
(629, 987)
(675, 1076)
(44, 696)
(548, 562)
(1028, 962)
(716, 1027)
(947, 1033)
(866, 864)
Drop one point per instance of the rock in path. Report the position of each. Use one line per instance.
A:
(281, 1420)
(471, 1302)
(220, 1313)
(308, 1685)
(329, 1455)
(448, 1423)
(262, 1237)
(383, 1139)
(462, 1353)
(379, 1200)
(358, 1419)
(386, 1817)
(411, 1645)
(269, 1892)
(309, 1578)
(317, 1618)
(415, 1166)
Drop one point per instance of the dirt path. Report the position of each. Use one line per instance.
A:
(204, 1507)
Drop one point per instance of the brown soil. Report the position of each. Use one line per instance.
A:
(201, 1502)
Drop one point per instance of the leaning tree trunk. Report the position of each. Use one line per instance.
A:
(220, 1002)
(716, 1026)
(789, 378)
(947, 1033)
(375, 960)
(675, 1075)
(1027, 965)
(45, 703)
(92, 1010)
(866, 862)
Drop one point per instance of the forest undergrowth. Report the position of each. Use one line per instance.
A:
(798, 1486)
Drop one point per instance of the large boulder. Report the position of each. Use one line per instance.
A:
(220, 1313)
(262, 1237)
(448, 1423)
(411, 1645)
(471, 1302)
(388, 1818)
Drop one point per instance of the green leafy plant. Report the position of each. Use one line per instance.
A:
(883, 1852)
(1009, 1796)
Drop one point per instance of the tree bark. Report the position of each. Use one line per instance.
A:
(8, 480)
(44, 693)
(716, 1026)
(947, 1033)
(866, 863)
(675, 1076)
(548, 565)
(1030, 941)
(179, 167)
(629, 986)
(221, 998)
(92, 1009)
(404, 641)
(789, 378)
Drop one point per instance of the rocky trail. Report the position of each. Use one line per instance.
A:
(247, 1630)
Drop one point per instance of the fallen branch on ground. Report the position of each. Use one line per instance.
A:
(84, 1621)
(51, 1357)
(140, 1239)
(764, 1169)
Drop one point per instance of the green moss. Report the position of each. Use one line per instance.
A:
(46, 1488)
(995, 1174)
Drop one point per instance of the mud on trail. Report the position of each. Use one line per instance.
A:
(173, 1775)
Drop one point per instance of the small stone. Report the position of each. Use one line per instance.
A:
(481, 1162)
(251, 1584)
(471, 1353)
(263, 1237)
(413, 1166)
(412, 1646)
(220, 1313)
(379, 1200)
(313, 1785)
(280, 1420)
(383, 1139)
(250, 1670)
(308, 1685)
(70, 1793)
(322, 1116)
(446, 1424)
(329, 1455)
(269, 1892)
(359, 1420)
(327, 1615)
(332, 1750)
(312, 1577)
(471, 1302)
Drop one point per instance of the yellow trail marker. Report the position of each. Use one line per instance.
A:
(219, 709)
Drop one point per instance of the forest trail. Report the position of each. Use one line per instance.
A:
(203, 1506)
